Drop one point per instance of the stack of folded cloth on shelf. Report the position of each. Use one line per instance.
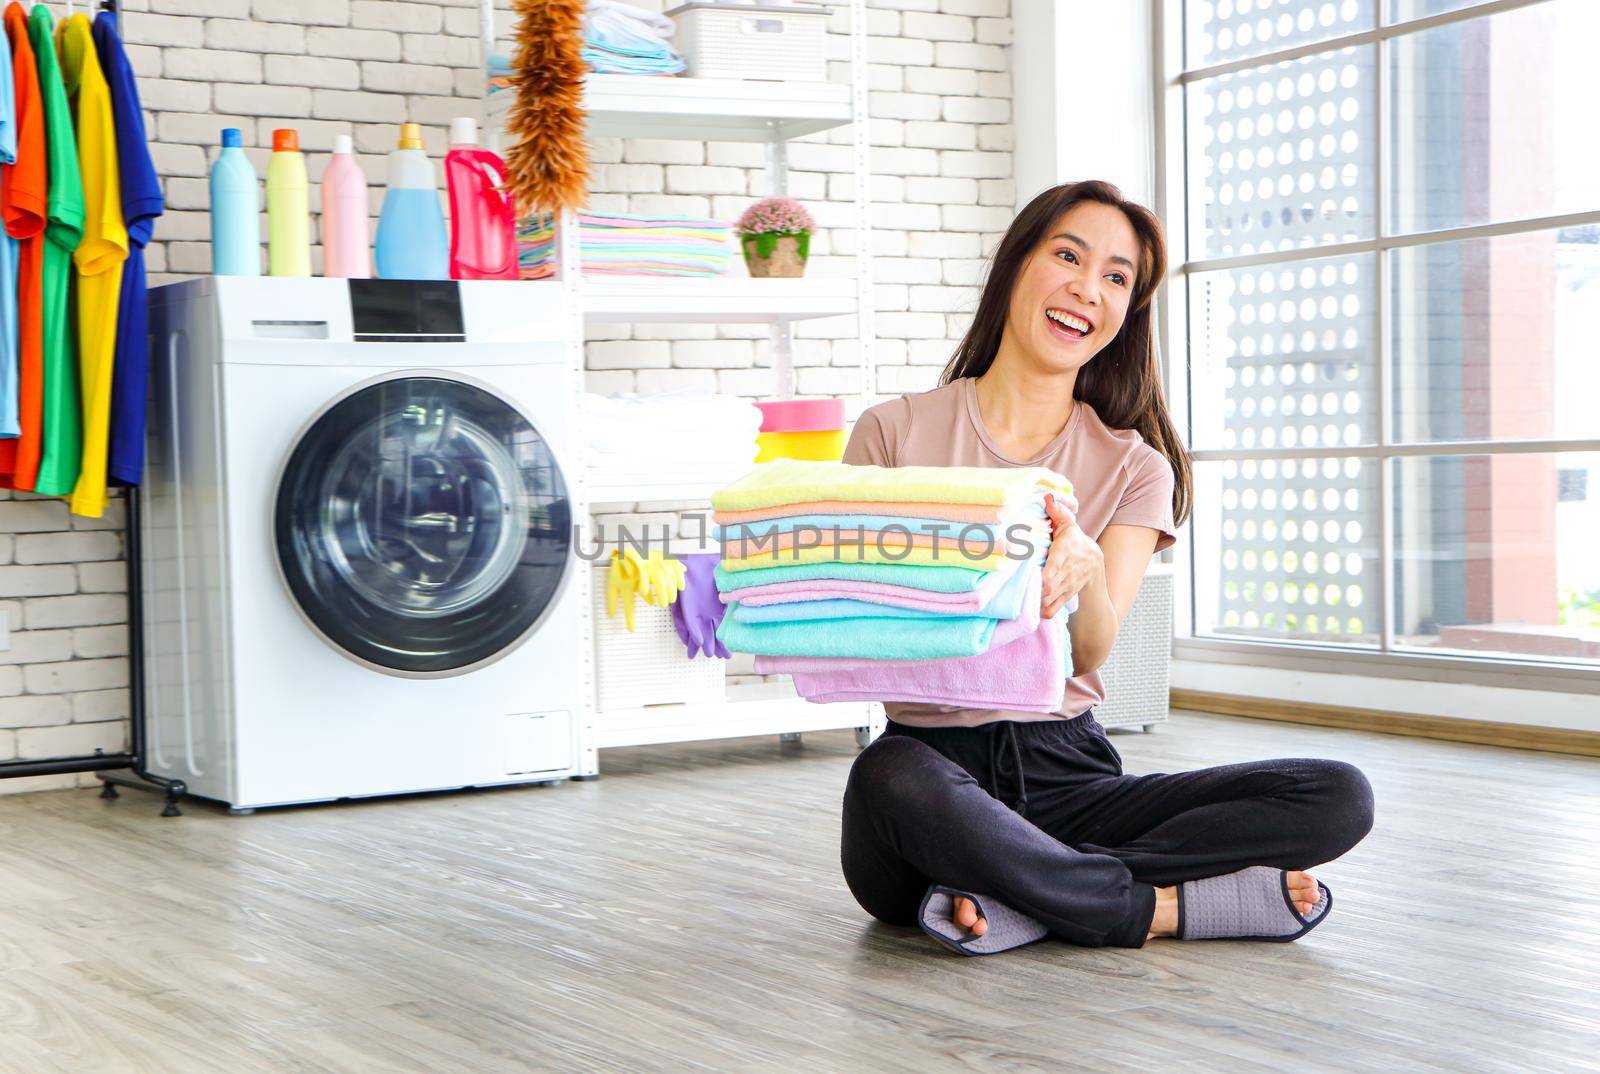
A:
(622, 39)
(624, 244)
(913, 583)
(617, 39)
(670, 430)
(499, 74)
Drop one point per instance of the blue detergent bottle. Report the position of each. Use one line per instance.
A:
(412, 241)
(235, 211)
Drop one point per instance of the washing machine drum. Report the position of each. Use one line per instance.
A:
(423, 526)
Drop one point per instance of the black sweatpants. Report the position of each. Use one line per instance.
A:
(1041, 816)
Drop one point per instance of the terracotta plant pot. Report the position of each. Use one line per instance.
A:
(783, 255)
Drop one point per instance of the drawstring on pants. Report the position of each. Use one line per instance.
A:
(1008, 728)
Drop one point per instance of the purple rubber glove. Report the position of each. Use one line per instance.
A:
(698, 611)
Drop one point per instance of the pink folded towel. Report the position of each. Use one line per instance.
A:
(1006, 631)
(969, 603)
(1028, 674)
(952, 512)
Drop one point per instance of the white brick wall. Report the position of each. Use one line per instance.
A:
(941, 160)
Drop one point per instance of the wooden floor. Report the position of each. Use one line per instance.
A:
(686, 912)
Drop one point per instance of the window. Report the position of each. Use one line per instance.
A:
(1389, 227)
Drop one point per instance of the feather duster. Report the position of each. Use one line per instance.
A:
(548, 160)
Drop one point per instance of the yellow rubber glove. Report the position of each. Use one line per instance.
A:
(657, 579)
(621, 584)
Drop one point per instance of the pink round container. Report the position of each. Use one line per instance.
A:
(802, 415)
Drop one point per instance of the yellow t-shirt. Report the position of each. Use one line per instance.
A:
(99, 257)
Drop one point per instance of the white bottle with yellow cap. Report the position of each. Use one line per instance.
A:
(412, 241)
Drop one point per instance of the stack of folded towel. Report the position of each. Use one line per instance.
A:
(678, 430)
(499, 74)
(913, 583)
(624, 244)
(626, 40)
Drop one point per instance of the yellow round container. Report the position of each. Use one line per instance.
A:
(822, 445)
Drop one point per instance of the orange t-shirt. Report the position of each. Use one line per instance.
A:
(23, 198)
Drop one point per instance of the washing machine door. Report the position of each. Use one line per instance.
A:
(423, 526)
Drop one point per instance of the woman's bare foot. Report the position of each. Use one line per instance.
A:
(1303, 893)
(967, 917)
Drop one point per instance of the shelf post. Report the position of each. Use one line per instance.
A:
(781, 331)
(860, 128)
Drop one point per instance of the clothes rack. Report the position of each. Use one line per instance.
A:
(126, 768)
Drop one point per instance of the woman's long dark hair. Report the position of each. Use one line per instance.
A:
(1122, 382)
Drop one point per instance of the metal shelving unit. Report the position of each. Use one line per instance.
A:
(630, 106)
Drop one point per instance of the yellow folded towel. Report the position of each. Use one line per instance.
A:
(786, 481)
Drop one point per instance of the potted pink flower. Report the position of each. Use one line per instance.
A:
(776, 236)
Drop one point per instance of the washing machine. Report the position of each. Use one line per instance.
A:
(359, 573)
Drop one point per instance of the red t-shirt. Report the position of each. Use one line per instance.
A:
(23, 199)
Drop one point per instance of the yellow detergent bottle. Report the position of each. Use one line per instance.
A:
(288, 216)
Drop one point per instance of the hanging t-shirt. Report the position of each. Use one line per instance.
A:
(8, 258)
(141, 204)
(63, 421)
(24, 194)
(99, 257)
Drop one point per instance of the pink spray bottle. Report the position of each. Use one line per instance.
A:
(483, 226)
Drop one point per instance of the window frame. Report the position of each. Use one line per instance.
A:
(1172, 316)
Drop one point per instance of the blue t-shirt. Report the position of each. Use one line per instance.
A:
(141, 204)
(8, 257)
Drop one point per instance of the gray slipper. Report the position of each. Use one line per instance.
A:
(1007, 927)
(1251, 904)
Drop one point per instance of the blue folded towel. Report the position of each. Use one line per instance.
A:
(931, 579)
(876, 637)
(975, 534)
(1006, 603)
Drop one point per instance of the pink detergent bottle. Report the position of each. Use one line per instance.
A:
(346, 235)
(483, 226)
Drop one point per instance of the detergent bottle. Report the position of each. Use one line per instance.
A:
(412, 242)
(345, 234)
(235, 211)
(288, 214)
(483, 226)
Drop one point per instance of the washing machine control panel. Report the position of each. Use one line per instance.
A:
(406, 311)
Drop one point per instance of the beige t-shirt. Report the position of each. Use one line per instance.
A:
(1117, 478)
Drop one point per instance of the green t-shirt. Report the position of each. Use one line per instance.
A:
(62, 423)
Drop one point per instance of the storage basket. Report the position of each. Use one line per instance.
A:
(777, 42)
(649, 665)
(1136, 674)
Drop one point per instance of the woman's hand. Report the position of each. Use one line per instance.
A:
(1073, 562)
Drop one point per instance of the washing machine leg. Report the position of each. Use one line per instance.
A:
(585, 779)
(789, 737)
(237, 812)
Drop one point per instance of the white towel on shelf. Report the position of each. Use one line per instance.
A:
(670, 430)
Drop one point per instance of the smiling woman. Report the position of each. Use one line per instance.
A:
(1059, 370)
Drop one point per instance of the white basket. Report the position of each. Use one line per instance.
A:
(775, 42)
(649, 665)
(1135, 675)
